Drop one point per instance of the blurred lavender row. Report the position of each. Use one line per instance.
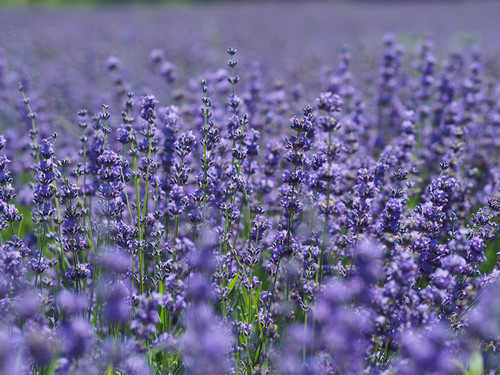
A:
(322, 199)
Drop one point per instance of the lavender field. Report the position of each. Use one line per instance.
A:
(250, 189)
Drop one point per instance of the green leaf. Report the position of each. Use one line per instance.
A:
(476, 366)
(233, 282)
(52, 366)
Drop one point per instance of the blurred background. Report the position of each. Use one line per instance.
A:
(71, 40)
(63, 48)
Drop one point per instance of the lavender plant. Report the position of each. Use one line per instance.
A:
(213, 230)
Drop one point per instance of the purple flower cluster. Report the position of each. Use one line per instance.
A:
(247, 225)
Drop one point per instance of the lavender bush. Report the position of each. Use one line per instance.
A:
(222, 221)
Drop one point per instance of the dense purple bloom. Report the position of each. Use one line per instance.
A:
(206, 343)
(77, 338)
(429, 352)
(234, 228)
(147, 104)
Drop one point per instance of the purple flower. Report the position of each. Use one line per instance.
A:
(147, 104)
